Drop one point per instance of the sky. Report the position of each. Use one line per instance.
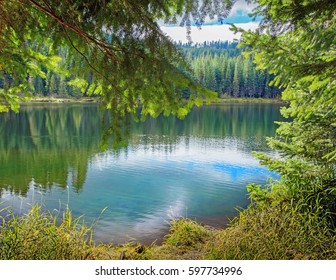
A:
(214, 31)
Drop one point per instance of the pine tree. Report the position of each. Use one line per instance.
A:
(39, 86)
(297, 45)
(228, 80)
(236, 80)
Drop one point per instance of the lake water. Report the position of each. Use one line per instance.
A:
(197, 167)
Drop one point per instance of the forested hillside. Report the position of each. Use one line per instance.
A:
(218, 66)
(221, 67)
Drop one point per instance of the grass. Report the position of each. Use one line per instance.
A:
(273, 234)
(37, 235)
(258, 233)
(266, 234)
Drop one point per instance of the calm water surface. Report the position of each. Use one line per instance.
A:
(197, 167)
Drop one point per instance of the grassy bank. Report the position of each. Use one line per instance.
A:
(258, 233)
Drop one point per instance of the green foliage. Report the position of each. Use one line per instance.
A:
(207, 61)
(117, 45)
(296, 43)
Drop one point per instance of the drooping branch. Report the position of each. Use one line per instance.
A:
(105, 47)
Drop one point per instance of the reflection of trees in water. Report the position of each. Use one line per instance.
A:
(243, 121)
(52, 142)
(47, 143)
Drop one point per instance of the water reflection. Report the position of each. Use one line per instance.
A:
(197, 167)
(46, 143)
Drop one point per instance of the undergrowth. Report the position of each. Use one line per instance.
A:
(259, 232)
(273, 233)
(37, 235)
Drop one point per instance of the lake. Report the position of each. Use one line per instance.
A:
(197, 167)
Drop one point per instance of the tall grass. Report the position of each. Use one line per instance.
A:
(273, 233)
(37, 235)
(263, 231)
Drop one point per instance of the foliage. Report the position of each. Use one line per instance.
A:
(214, 65)
(118, 44)
(296, 43)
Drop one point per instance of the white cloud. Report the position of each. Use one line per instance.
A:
(241, 7)
(206, 33)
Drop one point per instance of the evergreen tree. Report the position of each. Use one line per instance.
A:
(297, 44)
(228, 80)
(39, 86)
(236, 81)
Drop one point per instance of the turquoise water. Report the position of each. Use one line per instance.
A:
(197, 167)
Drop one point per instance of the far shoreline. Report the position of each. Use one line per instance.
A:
(63, 100)
(84, 100)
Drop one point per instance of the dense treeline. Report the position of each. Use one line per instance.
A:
(221, 67)
(218, 66)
